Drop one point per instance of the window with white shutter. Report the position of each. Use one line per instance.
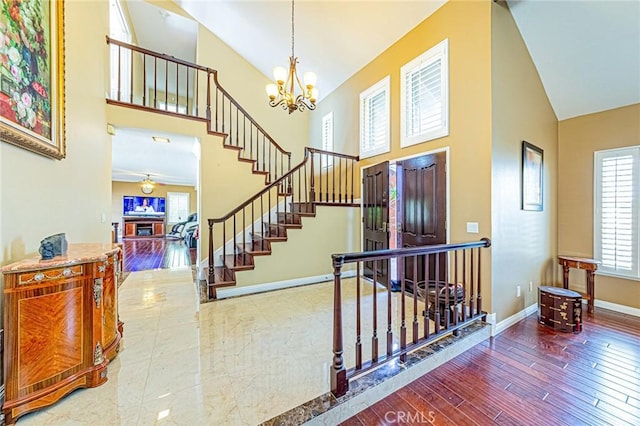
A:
(177, 206)
(424, 96)
(617, 207)
(374, 119)
(327, 139)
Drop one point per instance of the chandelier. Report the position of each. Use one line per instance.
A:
(147, 185)
(283, 93)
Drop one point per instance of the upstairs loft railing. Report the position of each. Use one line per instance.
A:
(143, 79)
(321, 178)
(440, 292)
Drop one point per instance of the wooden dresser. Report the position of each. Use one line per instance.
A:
(61, 325)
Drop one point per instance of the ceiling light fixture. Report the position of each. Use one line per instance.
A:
(283, 93)
(160, 139)
(147, 185)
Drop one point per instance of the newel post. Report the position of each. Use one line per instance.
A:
(312, 194)
(208, 111)
(339, 382)
(211, 265)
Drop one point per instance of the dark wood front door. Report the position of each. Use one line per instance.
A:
(422, 215)
(375, 202)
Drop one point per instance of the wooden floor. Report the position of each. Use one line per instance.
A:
(529, 375)
(156, 253)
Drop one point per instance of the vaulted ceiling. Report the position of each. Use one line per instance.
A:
(587, 53)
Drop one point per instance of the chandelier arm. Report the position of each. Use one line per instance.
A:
(286, 90)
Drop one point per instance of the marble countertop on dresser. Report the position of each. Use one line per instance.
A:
(76, 253)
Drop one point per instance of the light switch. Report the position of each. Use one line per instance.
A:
(472, 227)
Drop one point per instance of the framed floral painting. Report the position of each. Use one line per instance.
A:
(32, 75)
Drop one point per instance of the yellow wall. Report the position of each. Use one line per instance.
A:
(579, 138)
(524, 242)
(467, 26)
(120, 189)
(39, 196)
(307, 251)
(247, 86)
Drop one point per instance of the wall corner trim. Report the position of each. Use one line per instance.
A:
(279, 285)
(508, 322)
(616, 307)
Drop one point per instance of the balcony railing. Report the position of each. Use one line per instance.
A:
(445, 284)
(147, 80)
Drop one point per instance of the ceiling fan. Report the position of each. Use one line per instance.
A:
(148, 185)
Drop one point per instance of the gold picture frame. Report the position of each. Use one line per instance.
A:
(32, 98)
(532, 177)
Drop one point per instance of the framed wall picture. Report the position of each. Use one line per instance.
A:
(532, 177)
(32, 75)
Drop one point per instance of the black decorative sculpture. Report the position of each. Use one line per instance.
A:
(52, 246)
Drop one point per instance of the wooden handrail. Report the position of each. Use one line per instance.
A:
(260, 193)
(404, 252)
(264, 216)
(333, 154)
(250, 138)
(159, 55)
(266, 189)
(237, 105)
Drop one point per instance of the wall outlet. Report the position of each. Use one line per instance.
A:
(518, 291)
(530, 286)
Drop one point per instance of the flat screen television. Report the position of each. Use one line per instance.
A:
(134, 205)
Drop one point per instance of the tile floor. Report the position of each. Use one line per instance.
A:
(237, 361)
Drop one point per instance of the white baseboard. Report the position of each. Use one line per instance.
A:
(508, 322)
(618, 308)
(224, 293)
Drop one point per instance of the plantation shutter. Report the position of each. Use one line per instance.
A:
(375, 126)
(424, 86)
(327, 138)
(617, 209)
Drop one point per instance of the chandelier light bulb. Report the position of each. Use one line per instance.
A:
(272, 91)
(314, 95)
(280, 75)
(310, 79)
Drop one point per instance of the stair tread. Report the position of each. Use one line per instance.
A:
(259, 247)
(222, 276)
(289, 218)
(239, 262)
(286, 225)
(303, 209)
(270, 237)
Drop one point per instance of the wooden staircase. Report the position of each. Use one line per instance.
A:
(259, 245)
(279, 208)
(199, 96)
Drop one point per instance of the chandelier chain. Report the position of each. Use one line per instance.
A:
(292, 28)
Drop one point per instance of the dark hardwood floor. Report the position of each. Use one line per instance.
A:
(529, 375)
(156, 253)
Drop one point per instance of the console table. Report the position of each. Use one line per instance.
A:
(590, 266)
(61, 322)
